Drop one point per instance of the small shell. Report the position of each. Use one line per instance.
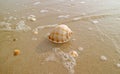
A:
(16, 52)
(73, 53)
(60, 34)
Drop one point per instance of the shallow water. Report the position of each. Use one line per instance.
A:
(96, 37)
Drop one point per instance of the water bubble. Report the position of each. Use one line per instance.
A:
(36, 3)
(68, 60)
(95, 21)
(22, 26)
(5, 26)
(118, 65)
(103, 58)
(51, 58)
(43, 11)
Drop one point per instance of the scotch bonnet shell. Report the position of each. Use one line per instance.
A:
(60, 34)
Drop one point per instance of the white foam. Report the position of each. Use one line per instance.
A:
(51, 58)
(63, 16)
(68, 61)
(10, 18)
(5, 26)
(76, 18)
(32, 15)
(118, 19)
(22, 26)
(36, 3)
(46, 26)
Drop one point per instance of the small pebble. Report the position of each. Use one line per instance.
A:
(95, 21)
(14, 39)
(32, 18)
(16, 52)
(73, 53)
(35, 32)
(43, 11)
(104, 58)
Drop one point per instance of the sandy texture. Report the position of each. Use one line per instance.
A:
(25, 24)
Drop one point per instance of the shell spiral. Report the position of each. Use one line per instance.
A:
(60, 34)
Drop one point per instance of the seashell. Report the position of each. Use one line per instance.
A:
(16, 52)
(73, 53)
(60, 34)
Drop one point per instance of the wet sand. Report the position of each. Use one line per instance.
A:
(96, 37)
